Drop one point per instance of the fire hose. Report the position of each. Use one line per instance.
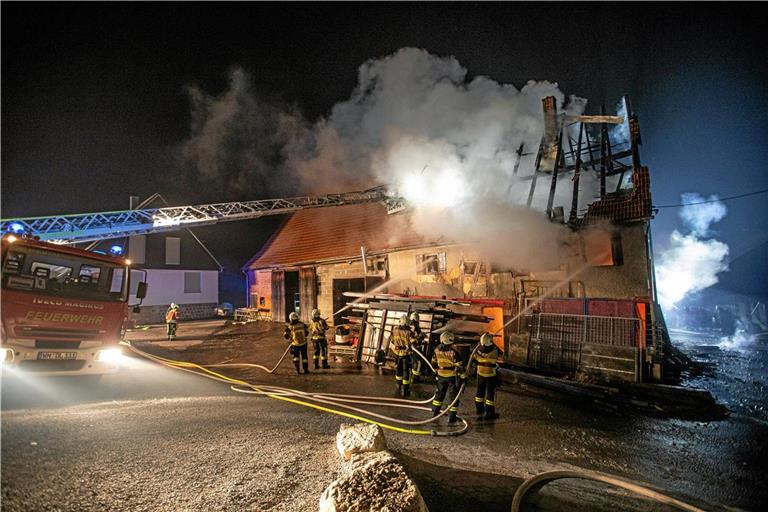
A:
(333, 402)
(629, 485)
(340, 401)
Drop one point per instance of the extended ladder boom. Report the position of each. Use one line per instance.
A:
(86, 227)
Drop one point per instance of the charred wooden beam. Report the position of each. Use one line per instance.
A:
(576, 175)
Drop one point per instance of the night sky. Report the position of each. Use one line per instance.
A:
(94, 106)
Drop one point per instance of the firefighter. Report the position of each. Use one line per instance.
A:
(296, 332)
(172, 320)
(317, 329)
(486, 358)
(450, 375)
(421, 346)
(401, 340)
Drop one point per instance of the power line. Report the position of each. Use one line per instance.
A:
(714, 200)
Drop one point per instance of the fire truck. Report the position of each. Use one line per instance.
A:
(63, 309)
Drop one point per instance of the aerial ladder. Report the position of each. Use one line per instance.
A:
(92, 227)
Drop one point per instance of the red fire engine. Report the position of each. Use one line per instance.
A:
(63, 308)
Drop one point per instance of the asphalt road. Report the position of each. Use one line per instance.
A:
(151, 438)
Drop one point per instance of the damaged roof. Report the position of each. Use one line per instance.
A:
(322, 234)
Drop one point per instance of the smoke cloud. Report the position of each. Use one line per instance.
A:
(692, 262)
(238, 143)
(415, 122)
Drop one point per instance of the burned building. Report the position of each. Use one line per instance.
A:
(593, 311)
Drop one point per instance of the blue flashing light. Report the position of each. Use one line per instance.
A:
(116, 250)
(15, 227)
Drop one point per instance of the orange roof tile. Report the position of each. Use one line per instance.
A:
(320, 234)
(632, 206)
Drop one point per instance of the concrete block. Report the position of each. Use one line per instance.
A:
(359, 438)
(372, 481)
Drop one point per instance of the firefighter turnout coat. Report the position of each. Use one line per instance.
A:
(401, 340)
(296, 333)
(486, 359)
(448, 362)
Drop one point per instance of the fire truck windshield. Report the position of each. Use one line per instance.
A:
(64, 275)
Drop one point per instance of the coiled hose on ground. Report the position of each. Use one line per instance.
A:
(332, 401)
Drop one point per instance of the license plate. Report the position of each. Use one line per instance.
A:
(56, 355)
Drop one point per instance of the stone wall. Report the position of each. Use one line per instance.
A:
(325, 276)
(156, 314)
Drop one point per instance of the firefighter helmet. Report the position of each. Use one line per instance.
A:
(486, 339)
(403, 321)
(447, 338)
(293, 317)
(415, 317)
(315, 313)
(173, 306)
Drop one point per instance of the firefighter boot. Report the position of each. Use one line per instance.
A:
(452, 416)
(479, 406)
(306, 366)
(406, 390)
(317, 366)
(325, 363)
(490, 412)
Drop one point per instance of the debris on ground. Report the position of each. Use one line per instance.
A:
(372, 478)
(642, 398)
(359, 438)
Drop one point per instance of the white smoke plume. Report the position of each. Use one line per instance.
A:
(692, 262)
(699, 217)
(448, 144)
(416, 123)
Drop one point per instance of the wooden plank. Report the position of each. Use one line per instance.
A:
(595, 119)
(278, 296)
(307, 293)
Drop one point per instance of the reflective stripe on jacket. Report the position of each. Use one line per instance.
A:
(172, 315)
(401, 340)
(317, 328)
(448, 362)
(486, 361)
(297, 333)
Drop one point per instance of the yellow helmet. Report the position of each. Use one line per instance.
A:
(315, 313)
(403, 321)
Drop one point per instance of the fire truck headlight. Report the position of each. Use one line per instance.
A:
(112, 356)
(6, 355)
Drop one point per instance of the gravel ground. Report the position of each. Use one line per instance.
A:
(178, 442)
(228, 453)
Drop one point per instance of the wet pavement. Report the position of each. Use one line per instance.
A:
(716, 462)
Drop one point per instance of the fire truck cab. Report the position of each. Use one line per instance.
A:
(63, 308)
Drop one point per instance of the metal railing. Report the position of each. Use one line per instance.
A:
(603, 330)
(597, 344)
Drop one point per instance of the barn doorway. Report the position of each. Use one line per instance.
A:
(357, 284)
(292, 297)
